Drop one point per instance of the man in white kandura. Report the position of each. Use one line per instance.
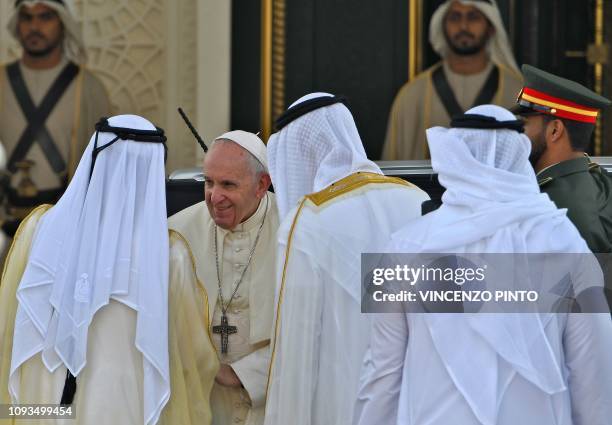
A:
(539, 368)
(98, 303)
(233, 237)
(335, 204)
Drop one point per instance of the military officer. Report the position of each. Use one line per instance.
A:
(560, 116)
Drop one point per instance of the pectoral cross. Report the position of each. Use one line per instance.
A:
(225, 330)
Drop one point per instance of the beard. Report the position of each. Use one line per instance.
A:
(41, 51)
(538, 147)
(459, 46)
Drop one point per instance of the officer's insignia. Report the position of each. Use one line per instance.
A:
(593, 166)
(544, 181)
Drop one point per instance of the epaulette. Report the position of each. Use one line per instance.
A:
(350, 183)
(544, 181)
(595, 167)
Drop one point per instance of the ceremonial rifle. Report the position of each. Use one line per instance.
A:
(193, 130)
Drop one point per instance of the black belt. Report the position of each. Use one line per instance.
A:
(36, 130)
(447, 96)
(70, 386)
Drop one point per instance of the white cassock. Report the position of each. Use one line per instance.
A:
(488, 369)
(321, 334)
(251, 310)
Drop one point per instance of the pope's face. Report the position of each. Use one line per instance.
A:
(467, 29)
(39, 29)
(232, 190)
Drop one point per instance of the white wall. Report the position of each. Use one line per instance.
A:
(214, 68)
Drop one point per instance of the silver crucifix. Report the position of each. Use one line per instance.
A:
(225, 330)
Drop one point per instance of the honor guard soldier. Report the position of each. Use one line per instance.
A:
(49, 102)
(560, 116)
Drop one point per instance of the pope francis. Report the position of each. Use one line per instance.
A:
(233, 237)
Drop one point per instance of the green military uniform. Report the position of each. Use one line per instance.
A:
(585, 189)
(578, 184)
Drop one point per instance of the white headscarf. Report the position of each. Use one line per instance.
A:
(74, 48)
(105, 239)
(314, 151)
(492, 204)
(499, 46)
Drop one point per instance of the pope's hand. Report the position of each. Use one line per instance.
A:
(227, 377)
